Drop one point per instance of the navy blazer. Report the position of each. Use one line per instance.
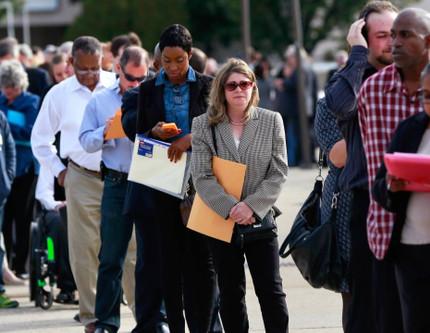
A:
(146, 105)
(406, 139)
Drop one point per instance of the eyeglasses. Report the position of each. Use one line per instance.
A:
(87, 71)
(243, 85)
(132, 78)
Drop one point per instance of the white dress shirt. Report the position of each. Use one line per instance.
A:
(62, 110)
(45, 189)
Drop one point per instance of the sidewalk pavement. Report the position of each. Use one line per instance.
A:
(311, 310)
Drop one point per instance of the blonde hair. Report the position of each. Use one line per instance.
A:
(217, 111)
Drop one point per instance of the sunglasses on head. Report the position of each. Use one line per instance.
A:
(132, 78)
(243, 85)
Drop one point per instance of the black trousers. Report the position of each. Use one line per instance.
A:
(18, 212)
(181, 266)
(413, 280)
(361, 313)
(375, 305)
(263, 261)
(57, 229)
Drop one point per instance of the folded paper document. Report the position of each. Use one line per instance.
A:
(231, 176)
(115, 130)
(150, 166)
(414, 168)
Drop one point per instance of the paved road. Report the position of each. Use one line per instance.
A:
(311, 310)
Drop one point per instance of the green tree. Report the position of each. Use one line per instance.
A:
(106, 19)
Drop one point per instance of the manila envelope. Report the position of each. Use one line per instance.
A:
(231, 176)
(115, 130)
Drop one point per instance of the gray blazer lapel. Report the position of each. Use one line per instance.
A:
(248, 134)
(227, 138)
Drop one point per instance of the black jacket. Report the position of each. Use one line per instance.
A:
(406, 139)
(148, 100)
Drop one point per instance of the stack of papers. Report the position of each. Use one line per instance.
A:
(151, 167)
(231, 176)
(414, 168)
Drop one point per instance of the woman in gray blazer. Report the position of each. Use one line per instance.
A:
(253, 136)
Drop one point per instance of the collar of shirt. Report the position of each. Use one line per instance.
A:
(104, 82)
(115, 87)
(163, 80)
(395, 83)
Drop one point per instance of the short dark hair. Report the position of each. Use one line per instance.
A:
(176, 35)
(375, 7)
(8, 46)
(121, 41)
(135, 55)
(58, 58)
(198, 60)
(87, 45)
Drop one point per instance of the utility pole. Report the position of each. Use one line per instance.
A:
(26, 34)
(9, 17)
(303, 116)
(246, 29)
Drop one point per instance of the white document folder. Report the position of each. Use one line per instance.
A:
(150, 166)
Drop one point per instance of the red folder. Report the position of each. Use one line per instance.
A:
(414, 168)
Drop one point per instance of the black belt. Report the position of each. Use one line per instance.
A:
(88, 171)
(113, 173)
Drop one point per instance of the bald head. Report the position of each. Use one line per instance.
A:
(411, 39)
(417, 18)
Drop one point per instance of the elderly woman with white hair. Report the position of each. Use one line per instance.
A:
(20, 108)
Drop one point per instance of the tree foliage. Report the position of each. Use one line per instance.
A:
(217, 22)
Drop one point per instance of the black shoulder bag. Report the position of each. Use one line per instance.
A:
(313, 244)
(262, 229)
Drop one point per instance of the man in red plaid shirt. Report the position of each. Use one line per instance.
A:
(385, 99)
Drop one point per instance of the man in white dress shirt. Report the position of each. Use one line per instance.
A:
(62, 110)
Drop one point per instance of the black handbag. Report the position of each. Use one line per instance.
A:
(265, 228)
(313, 244)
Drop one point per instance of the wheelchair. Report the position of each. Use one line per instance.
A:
(42, 263)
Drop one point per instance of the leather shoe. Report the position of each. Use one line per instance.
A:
(90, 328)
(162, 328)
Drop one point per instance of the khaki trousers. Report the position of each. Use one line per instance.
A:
(83, 195)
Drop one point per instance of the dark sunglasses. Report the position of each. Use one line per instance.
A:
(243, 85)
(132, 78)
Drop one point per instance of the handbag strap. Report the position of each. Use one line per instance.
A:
(214, 139)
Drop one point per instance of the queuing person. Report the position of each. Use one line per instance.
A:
(412, 217)
(341, 58)
(62, 110)
(332, 144)
(255, 137)
(389, 96)
(20, 108)
(266, 88)
(52, 202)
(119, 43)
(116, 229)
(8, 163)
(198, 60)
(370, 52)
(171, 252)
(288, 99)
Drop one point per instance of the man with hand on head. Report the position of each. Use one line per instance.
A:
(370, 41)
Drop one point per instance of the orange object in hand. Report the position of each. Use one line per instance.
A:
(170, 127)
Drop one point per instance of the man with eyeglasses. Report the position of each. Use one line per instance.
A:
(62, 111)
(116, 228)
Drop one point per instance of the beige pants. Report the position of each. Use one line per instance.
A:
(83, 195)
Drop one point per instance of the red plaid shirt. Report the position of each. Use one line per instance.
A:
(383, 102)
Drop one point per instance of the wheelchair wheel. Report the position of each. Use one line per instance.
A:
(35, 258)
(44, 298)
